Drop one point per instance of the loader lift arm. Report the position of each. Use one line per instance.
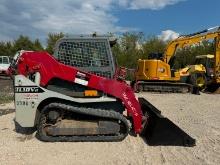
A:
(31, 62)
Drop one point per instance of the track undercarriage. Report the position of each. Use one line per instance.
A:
(163, 87)
(62, 122)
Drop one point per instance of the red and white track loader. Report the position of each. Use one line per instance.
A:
(72, 96)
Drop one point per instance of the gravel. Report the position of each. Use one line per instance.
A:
(198, 115)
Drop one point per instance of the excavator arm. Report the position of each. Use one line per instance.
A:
(217, 59)
(186, 40)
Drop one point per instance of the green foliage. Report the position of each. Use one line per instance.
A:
(23, 43)
(37, 45)
(128, 49)
(153, 45)
(6, 98)
(6, 48)
(51, 41)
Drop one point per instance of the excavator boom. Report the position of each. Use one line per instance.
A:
(190, 39)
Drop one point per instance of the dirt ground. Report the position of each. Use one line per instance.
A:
(6, 89)
(199, 116)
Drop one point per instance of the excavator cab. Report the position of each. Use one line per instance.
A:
(208, 62)
(158, 56)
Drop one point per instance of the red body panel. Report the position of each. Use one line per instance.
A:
(49, 67)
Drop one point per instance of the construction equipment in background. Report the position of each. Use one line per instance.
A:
(156, 73)
(4, 64)
(203, 74)
(65, 103)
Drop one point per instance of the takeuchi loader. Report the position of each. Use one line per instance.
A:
(157, 74)
(75, 96)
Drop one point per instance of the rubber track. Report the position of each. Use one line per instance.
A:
(166, 87)
(87, 111)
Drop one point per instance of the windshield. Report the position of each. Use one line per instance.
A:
(207, 62)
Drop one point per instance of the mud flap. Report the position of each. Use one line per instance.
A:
(160, 131)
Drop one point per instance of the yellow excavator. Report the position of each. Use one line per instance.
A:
(155, 74)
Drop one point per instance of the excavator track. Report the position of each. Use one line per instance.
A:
(163, 87)
(100, 113)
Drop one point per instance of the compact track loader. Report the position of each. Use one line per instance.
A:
(75, 96)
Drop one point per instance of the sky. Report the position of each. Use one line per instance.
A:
(163, 18)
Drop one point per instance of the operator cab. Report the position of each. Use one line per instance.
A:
(88, 53)
(208, 62)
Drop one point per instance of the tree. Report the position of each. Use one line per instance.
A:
(37, 45)
(128, 49)
(6, 49)
(51, 41)
(23, 43)
(153, 45)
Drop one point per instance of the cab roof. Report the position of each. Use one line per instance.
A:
(205, 56)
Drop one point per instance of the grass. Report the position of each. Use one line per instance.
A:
(6, 90)
(6, 98)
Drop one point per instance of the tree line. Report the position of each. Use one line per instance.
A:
(130, 47)
(9, 48)
(134, 46)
